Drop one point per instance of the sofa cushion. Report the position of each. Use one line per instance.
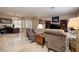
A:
(58, 32)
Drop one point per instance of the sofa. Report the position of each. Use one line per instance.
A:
(6, 30)
(55, 40)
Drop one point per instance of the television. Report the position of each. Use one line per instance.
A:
(55, 19)
(55, 26)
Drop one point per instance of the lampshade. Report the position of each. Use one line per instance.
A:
(40, 26)
(74, 23)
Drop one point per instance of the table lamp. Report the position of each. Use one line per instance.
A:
(40, 28)
(74, 23)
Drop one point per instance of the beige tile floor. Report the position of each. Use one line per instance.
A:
(18, 43)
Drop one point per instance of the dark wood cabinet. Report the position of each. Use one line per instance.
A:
(48, 24)
(63, 25)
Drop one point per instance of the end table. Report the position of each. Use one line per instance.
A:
(40, 39)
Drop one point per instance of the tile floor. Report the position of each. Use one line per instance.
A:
(18, 43)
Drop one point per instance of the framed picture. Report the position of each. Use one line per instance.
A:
(55, 19)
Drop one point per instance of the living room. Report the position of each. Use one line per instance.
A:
(27, 29)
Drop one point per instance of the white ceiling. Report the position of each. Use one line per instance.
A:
(37, 11)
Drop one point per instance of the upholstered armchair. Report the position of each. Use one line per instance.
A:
(31, 34)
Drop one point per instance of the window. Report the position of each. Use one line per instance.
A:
(17, 23)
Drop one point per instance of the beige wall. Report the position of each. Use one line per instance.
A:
(61, 17)
(67, 16)
(35, 21)
(78, 14)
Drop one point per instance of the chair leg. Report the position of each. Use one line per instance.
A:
(48, 50)
(36, 42)
(42, 46)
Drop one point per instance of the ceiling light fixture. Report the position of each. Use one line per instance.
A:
(52, 7)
